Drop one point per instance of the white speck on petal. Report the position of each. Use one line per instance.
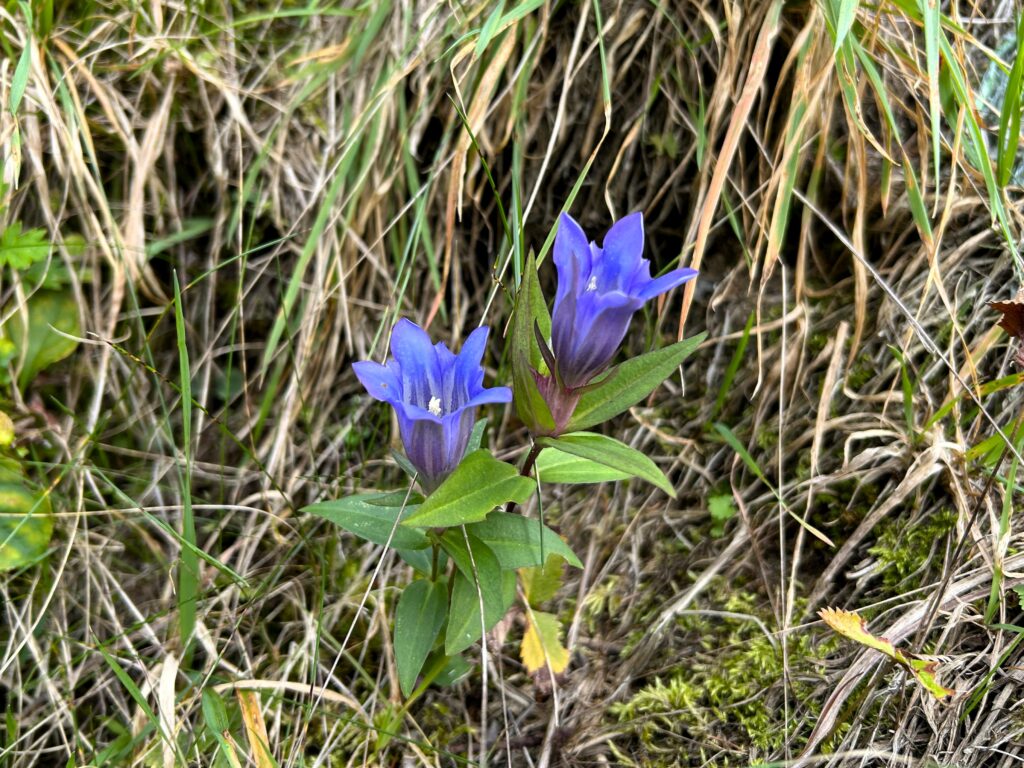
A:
(435, 406)
(592, 285)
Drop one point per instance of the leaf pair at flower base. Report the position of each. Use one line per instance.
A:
(850, 625)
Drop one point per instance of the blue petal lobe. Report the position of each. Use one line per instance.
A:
(572, 258)
(493, 395)
(380, 381)
(622, 254)
(666, 282)
(418, 361)
(468, 376)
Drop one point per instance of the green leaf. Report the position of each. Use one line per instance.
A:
(371, 516)
(38, 345)
(464, 626)
(489, 28)
(214, 712)
(845, 11)
(559, 467)
(1009, 115)
(21, 72)
(477, 562)
(455, 669)
(478, 485)
(508, 590)
(26, 525)
(612, 453)
(422, 610)
(530, 309)
(476, 437)
(20, 250)
(520, 542)
(722, 509)
(629, 383)
(404, 464)
(541, 583)
(741, 450)
(422, 560)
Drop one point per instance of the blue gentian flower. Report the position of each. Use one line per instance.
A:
(599, 290)
(434, 393)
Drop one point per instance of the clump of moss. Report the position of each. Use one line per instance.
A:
(864, 369)
(904, 551)
(724, 700)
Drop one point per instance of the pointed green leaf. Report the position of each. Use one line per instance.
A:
(559, 467)
(629, 383)
(474, 562)
(530, 309)
(464, 626)
(422, 560)
(519, 542)
(845, 11)
(371, 516)
(455, 668)
(215, 712)
(422, 610)
(1009, 115)
(612, 453)
(478, 485)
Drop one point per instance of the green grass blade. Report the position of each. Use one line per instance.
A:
(932, 33)
(188, 569)
(1009, 116)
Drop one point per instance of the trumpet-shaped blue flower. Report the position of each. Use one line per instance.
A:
(434, 393)
(599, 289)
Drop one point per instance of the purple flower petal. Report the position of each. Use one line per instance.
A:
(667, 282)
(571, 254)
(379, 380)
(492, 395)
(421, 376)
(466, 373)
(606, 319)
(622, 254)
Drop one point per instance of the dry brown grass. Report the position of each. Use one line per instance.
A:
(308, 179)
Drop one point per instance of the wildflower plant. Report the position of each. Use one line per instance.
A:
(472, 552)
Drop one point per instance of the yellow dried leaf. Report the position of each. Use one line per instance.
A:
(255, 728)
(850, 625)
(542, 644)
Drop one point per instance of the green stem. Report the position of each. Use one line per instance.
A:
(526, 469)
